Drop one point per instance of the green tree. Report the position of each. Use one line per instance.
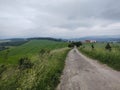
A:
(77, 44)
(92, 46)
(108, 47)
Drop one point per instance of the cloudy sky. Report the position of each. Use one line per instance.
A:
(59, 18)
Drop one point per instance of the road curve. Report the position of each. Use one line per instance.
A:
(82, 73)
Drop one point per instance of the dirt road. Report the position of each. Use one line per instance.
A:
(82, 73)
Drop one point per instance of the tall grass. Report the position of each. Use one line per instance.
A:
(111, 58)
(45, 72)
(44, 75)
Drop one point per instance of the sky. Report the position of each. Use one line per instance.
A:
(59, 18)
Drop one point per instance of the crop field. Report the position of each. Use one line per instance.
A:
(35, 65)
(111, 58)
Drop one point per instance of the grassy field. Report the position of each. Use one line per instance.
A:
(11, 56)
(47, 58)
(111, 58)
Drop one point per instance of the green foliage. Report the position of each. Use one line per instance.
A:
(74, 44)
(44, 51)
(47, 58)
(25, 63)
(44, 75)
(2, 69)
(52, 70)
(92, 46)
(108, 47)
(70, 45)
(112, 58)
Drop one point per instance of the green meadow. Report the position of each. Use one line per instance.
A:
(12, 55)
(41, 69)
(111, 58)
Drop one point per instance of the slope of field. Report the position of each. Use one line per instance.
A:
(29, 49)
(111, 58)
(46, 67)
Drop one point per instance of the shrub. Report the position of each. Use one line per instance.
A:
(42, 51)
(2, 69)
(108, 47)
(92, 46)
(25, 63)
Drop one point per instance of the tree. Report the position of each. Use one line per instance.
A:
(108, 47)
(92, 46)
(70, 45)
(77, 44)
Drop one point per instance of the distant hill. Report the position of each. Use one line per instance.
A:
(33, 38)
(98, 38)
(45, 38)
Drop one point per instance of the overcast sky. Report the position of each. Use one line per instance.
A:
(59, 18)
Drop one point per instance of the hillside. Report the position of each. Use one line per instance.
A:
(35, 65)
(28, 49)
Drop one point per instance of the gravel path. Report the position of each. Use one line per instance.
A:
(82, 73)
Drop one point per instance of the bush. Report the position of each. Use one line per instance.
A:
(25, 63)
(92, 46)
(2, 69)
(108, 47)
(43, 52)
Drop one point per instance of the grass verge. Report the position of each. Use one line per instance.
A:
(111, 58)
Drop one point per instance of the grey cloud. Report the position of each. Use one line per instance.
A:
(58, 18)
